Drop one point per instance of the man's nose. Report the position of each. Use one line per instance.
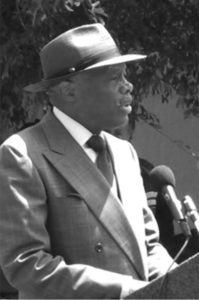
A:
(126, 87)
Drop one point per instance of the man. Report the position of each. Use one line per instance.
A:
(67, 230)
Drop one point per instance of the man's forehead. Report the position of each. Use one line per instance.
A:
(105, 70)
(118, 67)
(112, 69)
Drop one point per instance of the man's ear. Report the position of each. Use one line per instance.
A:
(67, 90)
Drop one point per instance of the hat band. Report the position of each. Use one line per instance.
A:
(88, 61)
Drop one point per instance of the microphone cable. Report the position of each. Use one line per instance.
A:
(163, 281)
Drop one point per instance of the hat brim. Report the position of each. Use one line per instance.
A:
(43, 85)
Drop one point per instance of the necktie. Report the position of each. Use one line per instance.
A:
(104, 164)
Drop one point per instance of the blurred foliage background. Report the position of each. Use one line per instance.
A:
(166, 30)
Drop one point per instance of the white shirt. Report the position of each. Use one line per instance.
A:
(81, 135)
(78, 132)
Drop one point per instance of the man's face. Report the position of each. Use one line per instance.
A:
(103, 98)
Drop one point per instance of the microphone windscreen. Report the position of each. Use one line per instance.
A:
(161, 176)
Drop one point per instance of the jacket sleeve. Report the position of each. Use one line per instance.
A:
(25, 254)
(158, 259)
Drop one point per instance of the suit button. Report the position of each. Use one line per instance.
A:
(99, 248)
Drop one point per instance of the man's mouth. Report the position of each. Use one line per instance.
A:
(126, 106)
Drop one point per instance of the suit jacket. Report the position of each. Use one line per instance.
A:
(63, 234)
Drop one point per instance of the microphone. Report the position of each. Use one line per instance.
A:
(191, 211)
(163, 180)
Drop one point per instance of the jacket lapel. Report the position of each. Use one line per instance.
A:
(75, 166)
(131, 191)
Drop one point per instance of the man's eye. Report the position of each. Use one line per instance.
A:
(119, 77)
(116, 77)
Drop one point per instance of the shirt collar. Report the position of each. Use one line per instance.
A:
(78, 131)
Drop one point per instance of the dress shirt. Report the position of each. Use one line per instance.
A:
(78, 132)
(81, 135)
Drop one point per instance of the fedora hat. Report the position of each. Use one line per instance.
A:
(77, 50)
